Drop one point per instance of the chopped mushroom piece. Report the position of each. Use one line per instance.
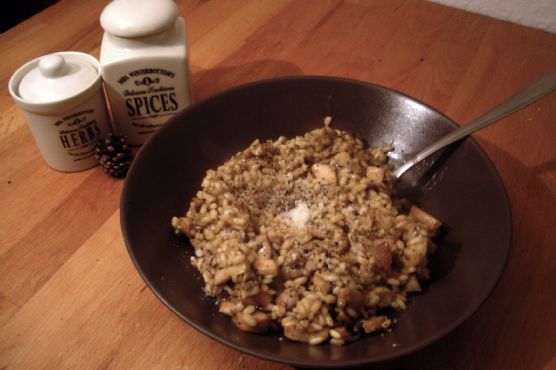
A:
(376, 323)
(375, 174)
(428, 220)
(324, 173)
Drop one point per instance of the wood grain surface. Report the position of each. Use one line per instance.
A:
(69, 295)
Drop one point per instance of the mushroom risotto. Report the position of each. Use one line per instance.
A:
(304, 234)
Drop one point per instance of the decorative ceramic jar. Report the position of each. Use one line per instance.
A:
(144, 62)
(62, 99)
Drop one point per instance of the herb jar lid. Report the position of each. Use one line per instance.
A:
(55, 82)
(138, 18)
(56, 77)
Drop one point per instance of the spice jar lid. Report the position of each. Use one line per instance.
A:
(138, 18)
(57, 77)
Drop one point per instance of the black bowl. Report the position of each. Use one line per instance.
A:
(463, 190)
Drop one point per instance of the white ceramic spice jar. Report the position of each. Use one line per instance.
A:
(144, 63)
(61, 97)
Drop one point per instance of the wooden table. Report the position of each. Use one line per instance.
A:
(69, 294)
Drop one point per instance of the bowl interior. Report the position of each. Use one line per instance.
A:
(465, 192)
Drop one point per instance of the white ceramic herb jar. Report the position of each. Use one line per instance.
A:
(144, 63)
(62, 100)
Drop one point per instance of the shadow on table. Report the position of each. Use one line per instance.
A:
(25, 9)
(209, 81)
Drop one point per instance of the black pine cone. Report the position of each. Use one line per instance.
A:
(114, 155)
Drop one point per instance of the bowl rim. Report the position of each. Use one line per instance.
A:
(331, 364)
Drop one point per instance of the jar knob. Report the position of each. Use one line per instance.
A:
(52, 66)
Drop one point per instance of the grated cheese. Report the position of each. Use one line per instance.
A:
(300, 215)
